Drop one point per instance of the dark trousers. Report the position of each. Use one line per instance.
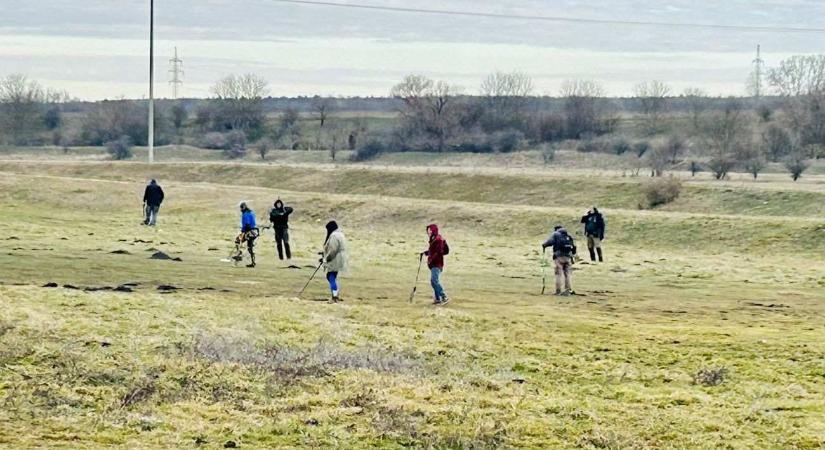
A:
(282, 243)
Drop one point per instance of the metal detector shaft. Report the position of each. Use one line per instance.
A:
(311, 277)
(415, 286)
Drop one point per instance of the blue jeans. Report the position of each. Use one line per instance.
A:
(435, 275)
(332, 279)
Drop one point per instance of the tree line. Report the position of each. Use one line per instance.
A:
(668, 130)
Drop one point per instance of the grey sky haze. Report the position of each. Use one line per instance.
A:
(99, 50)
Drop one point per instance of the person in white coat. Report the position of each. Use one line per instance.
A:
(335, 258)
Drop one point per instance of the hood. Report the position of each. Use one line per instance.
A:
(432, 229)
(331, 227)
(278, 204)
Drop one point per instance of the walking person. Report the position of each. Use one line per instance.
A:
(564, 249)
(152, 198)
(594, 226)
(335, 258)
(435, 261)
(279, 216)
(249, 231)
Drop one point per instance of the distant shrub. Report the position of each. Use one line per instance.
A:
(673, 148)
(550, 128)
(662, 191)
(777, 142)
(765, 113)
(369, 151)
(720, 165)
(641, 147)
(754, 164)
(214, 141)
(235, 144)
(548, 153)
(796, 164)
(621, 146)
(507, 141)
(262, 147)
(593, 146)
(121, 148)
(710, 377)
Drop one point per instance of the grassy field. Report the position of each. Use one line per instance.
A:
(703, 329)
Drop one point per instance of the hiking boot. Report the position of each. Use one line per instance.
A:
(444, 301)
(250, 265)
(557, 293)
(566, 293)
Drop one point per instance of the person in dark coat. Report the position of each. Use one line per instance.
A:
(564, 250)
(279, 216)
(594, 226)
(152, 198)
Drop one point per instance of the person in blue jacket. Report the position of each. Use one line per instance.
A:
(249, 231)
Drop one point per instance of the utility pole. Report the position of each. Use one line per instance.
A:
(176, 71)
(151, 81)
(758, 63)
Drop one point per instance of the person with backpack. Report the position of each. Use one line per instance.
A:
(279, 216)
(564, 249)
(594, 226)
(152, 198)
(438, 248)
(249, 232)
(334, 258)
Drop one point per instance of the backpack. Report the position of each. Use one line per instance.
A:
(446, 248)
(564, 245)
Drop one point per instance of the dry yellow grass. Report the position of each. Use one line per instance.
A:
(499, 367)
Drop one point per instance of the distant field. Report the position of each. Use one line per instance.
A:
(530, 159)
(728, 279)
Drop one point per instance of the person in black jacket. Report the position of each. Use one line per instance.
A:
(152, 198)
(594, 231)
(279, 216)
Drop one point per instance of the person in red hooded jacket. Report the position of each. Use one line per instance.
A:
(435, 261)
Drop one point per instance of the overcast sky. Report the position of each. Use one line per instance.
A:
(100, 50)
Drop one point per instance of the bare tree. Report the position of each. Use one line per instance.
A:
(21, 102)
(179, 116)
(697, 101)
(675, 147)
(726, 136)
(585, 112)
(777, 143)
(110, 120)
(658, 160)
(652, 97)
(505, 99)
(288, 131)
(322, 107)
(240, 102)
(796, 164)
(263, 147)
(800, 80)
(754, 161)
(430, 110)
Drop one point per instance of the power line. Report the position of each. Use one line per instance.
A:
(560, 19)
